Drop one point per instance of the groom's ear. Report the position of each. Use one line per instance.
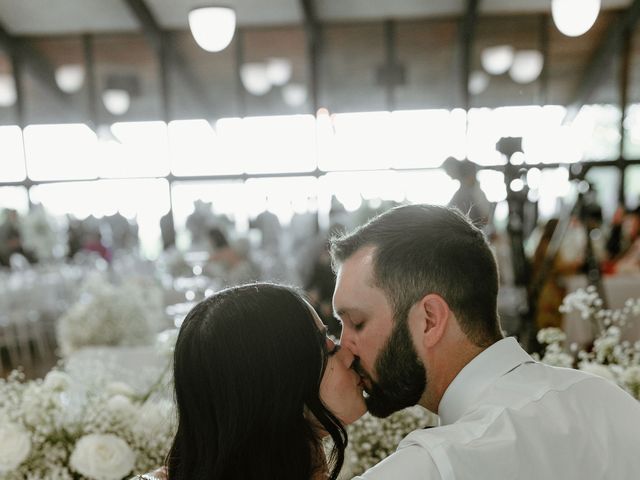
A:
(436, 314)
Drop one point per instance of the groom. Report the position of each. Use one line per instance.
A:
(416, 291)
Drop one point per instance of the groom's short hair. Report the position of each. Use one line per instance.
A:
(422, 249)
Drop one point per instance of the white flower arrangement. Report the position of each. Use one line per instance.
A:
(42, 234)
(373, 439)
(57, 428)
(610, 357)
(106, 314)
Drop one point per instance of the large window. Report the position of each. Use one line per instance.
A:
(12, 167)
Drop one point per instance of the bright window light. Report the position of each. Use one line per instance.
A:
(273, 144)
(598, 128)
(225, 198)
(138, 149)
(279, 195)
(15, 198)
(145, 200)
(355, 141)
(435, 187)
(13, 169)
(632, 186)
(425, 138)
(487, 126)
(606, 182)
(492, 184)
(554, 187)
(197, 149)
(212, 27)
(60, 152)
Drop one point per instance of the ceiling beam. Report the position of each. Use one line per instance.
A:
(467, 36)
(599, 66)
(312, 29)
(167, 53)
(39, 66)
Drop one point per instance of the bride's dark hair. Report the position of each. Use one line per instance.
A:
(247, 362)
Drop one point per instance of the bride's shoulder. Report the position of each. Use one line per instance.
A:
(159, 474)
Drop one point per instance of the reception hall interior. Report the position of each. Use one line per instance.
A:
(155, 152)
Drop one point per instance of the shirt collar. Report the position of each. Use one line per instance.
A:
(492, 363)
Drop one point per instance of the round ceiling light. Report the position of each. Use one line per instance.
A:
(212, 27)
(116, 101)
(294, 94)
(478, 82)
(574, 17)
(70, 78)
(254, 78)
(279, 71)
(497, 60)
(527, 66)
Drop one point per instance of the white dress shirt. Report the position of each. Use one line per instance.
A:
(505, 416)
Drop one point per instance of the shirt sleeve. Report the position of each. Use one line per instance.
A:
(409, 463)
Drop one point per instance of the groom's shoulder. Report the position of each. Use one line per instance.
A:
(410, 462)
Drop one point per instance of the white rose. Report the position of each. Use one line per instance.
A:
(15, 446)
(597, 369)
(57, 381)
(121, 388)
(102, 457)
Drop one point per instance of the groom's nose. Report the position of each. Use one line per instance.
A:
(347, 340)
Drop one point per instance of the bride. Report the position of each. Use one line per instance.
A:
(258, 385)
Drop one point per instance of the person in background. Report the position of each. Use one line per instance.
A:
(231, 263)
(469, 199)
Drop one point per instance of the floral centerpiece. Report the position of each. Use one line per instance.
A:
(107, 314)
(610, 357)
(57, 428)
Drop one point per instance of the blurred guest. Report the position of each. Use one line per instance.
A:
(469, 199)
(628, 258)
(548, 286)
(269, 226)
(93, 243)
(231, 263)
(168, 231)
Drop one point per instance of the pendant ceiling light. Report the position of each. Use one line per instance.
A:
(527, 66)
(478, 82)
(279, 71)
(574, 17)
(254, 78)
(497, 60)
(70, 78)
(116, 101)
(294, 94)
(7, 90)
(212, 27)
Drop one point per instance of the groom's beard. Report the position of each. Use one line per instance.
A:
(402, 377)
